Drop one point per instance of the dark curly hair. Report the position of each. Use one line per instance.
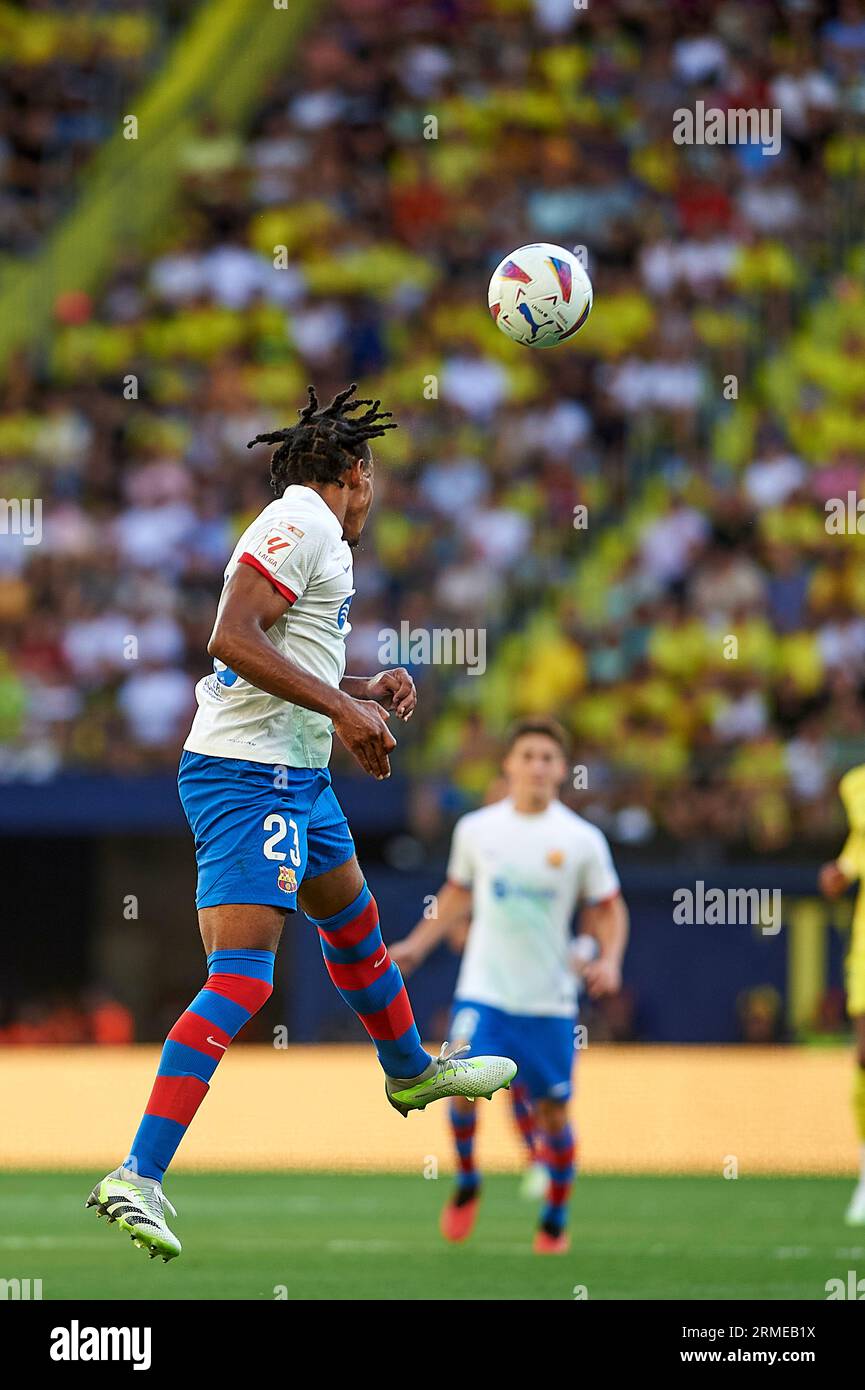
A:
(324, 442)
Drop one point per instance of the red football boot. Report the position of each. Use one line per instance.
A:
(546, 1244)
(458, 1217)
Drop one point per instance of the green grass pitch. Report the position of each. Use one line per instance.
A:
(374, 1236)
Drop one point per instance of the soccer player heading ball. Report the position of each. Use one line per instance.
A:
(521, 867)
(269, 831)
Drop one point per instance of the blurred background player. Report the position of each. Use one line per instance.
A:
(522, 866)
(835, 878)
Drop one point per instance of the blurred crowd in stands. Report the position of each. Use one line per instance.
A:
(65, 73)
(696, 627)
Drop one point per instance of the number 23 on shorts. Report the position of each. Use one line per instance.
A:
(277, 828)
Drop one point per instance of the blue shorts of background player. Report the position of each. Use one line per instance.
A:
(260, 830)
(542, 1047)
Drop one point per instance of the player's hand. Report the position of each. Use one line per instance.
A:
(406, 956)
(833, 882)
(394, 689)
(361, 726)
(602, 976)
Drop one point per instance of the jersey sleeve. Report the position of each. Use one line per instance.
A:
(461, 864)
(600, 882)
(851, 860)
(284, 552)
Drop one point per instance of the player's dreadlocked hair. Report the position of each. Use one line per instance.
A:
(325, 441)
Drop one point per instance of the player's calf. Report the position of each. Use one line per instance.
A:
(559, 1152)
(239, 982)
(458, 1215)
(360, 967)
(535, 1179)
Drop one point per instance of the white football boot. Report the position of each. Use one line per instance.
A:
(137, 1205)
(534, 1182)
(855, 1213)
(450, 1074)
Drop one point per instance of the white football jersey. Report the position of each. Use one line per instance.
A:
(528, 875)
(297, 543)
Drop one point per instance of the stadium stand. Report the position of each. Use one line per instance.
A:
(338, 234)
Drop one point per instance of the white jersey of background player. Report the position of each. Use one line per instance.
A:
(528, 873)
(520, 869)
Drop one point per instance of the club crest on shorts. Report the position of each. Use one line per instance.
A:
(286, 879)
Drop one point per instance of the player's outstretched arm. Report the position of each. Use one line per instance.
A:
(608, 923)
(452, 906)
(249, 607)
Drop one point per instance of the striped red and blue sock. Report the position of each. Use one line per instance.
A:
(238, 983)
(560, 1158)
(464, 1127)
(524, 1117)
(359, 965)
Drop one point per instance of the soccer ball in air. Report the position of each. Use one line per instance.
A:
(540, 295)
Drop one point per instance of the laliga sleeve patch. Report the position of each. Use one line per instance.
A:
(277, 543)
(272, 553)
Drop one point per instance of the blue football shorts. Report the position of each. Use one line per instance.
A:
(260, 830)
(542, 1047)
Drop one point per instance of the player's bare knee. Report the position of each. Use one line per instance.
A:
(553, 1115)
(463, 1106)
(240, 927)
(328, 893)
